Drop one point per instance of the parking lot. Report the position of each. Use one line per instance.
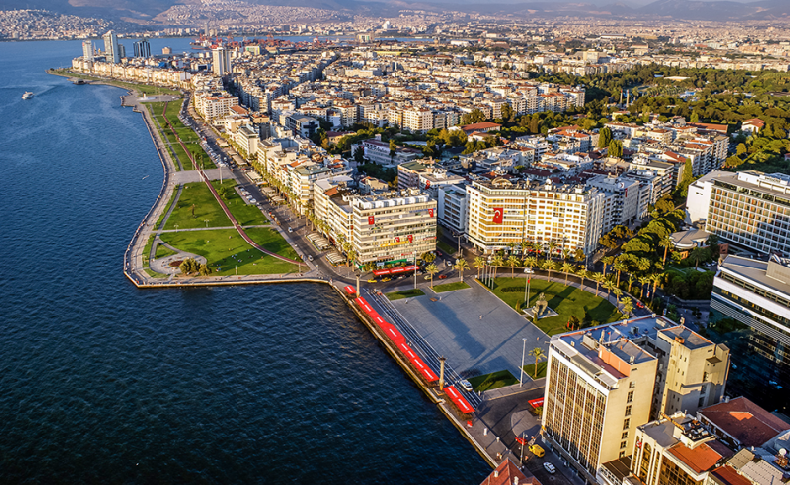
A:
(476, 331)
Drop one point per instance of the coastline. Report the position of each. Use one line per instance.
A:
(134, 272)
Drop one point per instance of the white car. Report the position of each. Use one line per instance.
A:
(466, 385)
(529, 270)
(549, 467)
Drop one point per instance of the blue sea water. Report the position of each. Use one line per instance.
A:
(104, 383)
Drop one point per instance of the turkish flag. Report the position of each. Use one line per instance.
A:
(371, 220)
(430, 212)
(410, 238)
(428, 185)
(498, 214)
(397, 239)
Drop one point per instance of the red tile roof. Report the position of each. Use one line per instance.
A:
(483, 125)
(727, 475)
(505, 473)
(700, 459)
(745, 421)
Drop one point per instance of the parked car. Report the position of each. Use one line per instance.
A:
(549, 467)
(466, 385)
(290, 229)
(373, 280)
(537, 450)
(442, 276)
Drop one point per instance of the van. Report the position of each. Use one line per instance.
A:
(537, 450)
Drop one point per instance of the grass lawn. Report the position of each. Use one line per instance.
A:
(224, 250)
(450, 287)
(206, 207)
(187, 135)
(147, 249)
(446, 248)
(154, 274)
(493, 380)
(565, 300)
(164, 212)
(273, 241)
(247, 215)
(529, 369)
(163, 251)
(397, 295)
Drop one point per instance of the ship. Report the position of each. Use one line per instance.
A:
(27, 95)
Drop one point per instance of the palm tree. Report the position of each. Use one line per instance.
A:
(513, 261)
(643, 280)
(497, 262)
(697, 255)
(549, 266)
(656, 278)
(431, 269)
(598, 278)
(538, 353)
(666, 243)
(567, 268)
(461, 265)
(628, 306)
(581, 273)
(352, 256)
(479, 263)
(617, 294)
(631, 280)
(565, 254)
(619, 266)
(607, 261)
(530, 262)
(608, 284)
(552, 247)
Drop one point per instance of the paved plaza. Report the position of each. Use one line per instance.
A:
(475, 330)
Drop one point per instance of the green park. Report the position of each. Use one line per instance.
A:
(567, 301)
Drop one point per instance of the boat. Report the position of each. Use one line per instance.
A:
(27, 95)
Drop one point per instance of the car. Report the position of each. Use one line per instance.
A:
(384, 280)
(290, 229)
(442, 276)
(253, 201)
(549, 466)
(309, 258)
(537, 450)
(529, 270)
(466, 385)
(373, 280)
(639, 304)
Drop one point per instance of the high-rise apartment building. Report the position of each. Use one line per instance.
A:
(605, 381)
(221, 60)
(752, 209)
(756, 294)
(142, 48)
(111, 51)
(87, 50)
(502, 212)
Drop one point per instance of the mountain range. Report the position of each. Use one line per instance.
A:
(689, 10)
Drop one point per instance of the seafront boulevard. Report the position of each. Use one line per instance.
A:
(476, 330)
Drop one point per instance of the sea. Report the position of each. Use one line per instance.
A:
(103, 383)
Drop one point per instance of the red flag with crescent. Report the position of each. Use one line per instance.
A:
(371, 220)
(397, 239)
(410, 238)
(430, 212)
(498, 215)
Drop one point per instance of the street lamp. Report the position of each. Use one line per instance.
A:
(521, 369)
(206, 221)
(176, 226)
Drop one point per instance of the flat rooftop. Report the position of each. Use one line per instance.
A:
(754, 270)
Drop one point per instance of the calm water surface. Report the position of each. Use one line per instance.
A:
(103, 383)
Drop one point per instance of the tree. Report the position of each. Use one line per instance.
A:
(616, 149)
(513, 261)
(538, 354)
(428, 257)
(530, 262)
(581, 273)
(497, 262)
(431, 269)
(628, 306)
(574, 323)
(605, 137)
(608, 285)
(617, 294)
(643, 280)
(607, 261)
(567, 268)
(699, 254)
(549, 266)
(507, 112)
(598, 278)
(619, 266)
(479, 263)
(666, 243)
(460, 266)
(740, 149)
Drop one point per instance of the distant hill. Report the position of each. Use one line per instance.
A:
(694, 10)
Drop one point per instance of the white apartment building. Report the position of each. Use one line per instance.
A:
(453, 205)
(698, 201)
(215, 105)
(622, 199)
(501, 212)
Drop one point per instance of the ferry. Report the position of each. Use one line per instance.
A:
(27, 95)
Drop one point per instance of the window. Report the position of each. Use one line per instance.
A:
(630, 397)
(628, 410)
(623, 444)
(627, 423)
(625, 436)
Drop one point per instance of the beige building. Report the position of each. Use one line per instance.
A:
(501, 212)
(603, 382)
